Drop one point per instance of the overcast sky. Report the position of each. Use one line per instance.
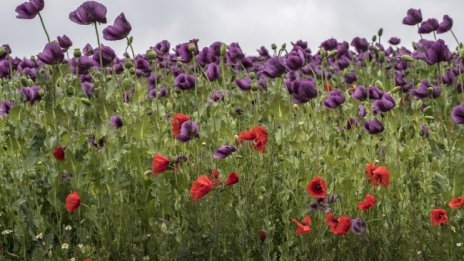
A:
(251, 23)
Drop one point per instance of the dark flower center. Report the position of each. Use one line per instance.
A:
(318, 187)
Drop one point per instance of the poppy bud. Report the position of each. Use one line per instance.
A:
(2, 51)
(151, 55)
(30, 82)
(86, 101)
(108, 78)
(273, 46)
(429, 117)
(128, 64)
(252, 75)
(41, 92)
(407, 58)
(77, 53)
(132, 70)
(333, 53)
(223, 49)
(191, 47)
(126, 83)
(23, 80)
(380, 32)
(322, 53)
(461, 53)
(395, 90)
(430, 90)
(262, 235)
(381, 56)
(427, 109)
(379, 84)
(374, 38)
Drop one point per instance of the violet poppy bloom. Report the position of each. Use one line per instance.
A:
(303, 90)
(332, 198)
(413, 17)
(184, 81)
(162, 48)
(32, 94)
(385, 104)
(224, 151)
(358, 226)
(274, 67)
(4, 68)
(188, 130)
(52, 54)
(107, 53)
(217, 96)
(373, 126)
(244, 84)
(360, 44)
(424, 131)
(457, 114)
(88, 13)
(263, 52)
(28, 10)
(116, 121)
(335, 99)
(87, 50)
(374, 93)
(295, 59)
(314, 206)
(87, 88)
(394, 41)
(437, 52)
(445, 25)
(422, 91)
(350, 77)
(101, 141)
(352, 122)
(64, 42)
(163, 92)
(5, 108)
(329, 44)
(119, 30)
(360, 93)
(428, 26)
(362, 111)
(212, 72)
(234, 53)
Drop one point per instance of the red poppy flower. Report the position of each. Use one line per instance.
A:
(370, 169)
(232, 179)
(262, 235)
(73, 201)
(160, 163)
(328, 86)
(58, 152)
(215, 173)
(438, 216)
(369, 201)
(317, 188)
(258, 135)
(456, 202)
(338, 226)
(200, 187)
(381, 176)
(303, 228)
(176, 123)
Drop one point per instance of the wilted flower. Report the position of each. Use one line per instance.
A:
(302, 228)
(119, 30)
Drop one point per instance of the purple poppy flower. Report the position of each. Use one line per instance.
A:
(263, 52)
(424, 131)
(213, 72)
(28, 10)
(239, 111)
(217, 96)
(119, 30)
(385, 104)
(457, 114)
(32, 94)
(100, 144)
(326, 209)
(52, 54)
(362, 111)
(116, 121)
(329, 44)
(184, 81)
(66, 175)
(224, 151)
(358, 226)
(437, 52)
(64, 42)
(314, 206)
(350, 77)
(183, 53)
(205, 57)
(4, 68)
(360, 93)
(163, 92)
(244, 84)
(428, 26)
(332, 198)
(360, 44)
(274, 67)
(162, 48)
(373, 126)
(107, 53)
(374, 93)
(295, 60)
(303, 90)
(335, 99)
(234, 53)
(394, 41)
(343, 62)
(5, 108)
(88, 13)
(445, 25)
(188, 130)
(422, 90)
(413, 17)
(87, 88)
(151, 94)
(352, 122)
(88, 50)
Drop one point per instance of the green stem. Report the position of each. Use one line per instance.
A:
(43, 26)
(129, 43)
(455, 38)
(99, 46)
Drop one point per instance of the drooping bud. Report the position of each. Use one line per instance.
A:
(126, 83)
(86, 101)
(395, 90)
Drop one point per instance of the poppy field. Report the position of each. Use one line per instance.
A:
(350, 151)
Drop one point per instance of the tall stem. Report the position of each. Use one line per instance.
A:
(129, 43)
(455, 38)
(43, 26)
(99, 46)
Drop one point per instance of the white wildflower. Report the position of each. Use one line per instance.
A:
(7, 232)
(65, 246)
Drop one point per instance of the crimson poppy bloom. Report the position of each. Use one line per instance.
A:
(176, 123)
(456, 202)
(370, 169)
(303, 228)
(369, 201)
(438, 216)
(73, 201)
(160, 163)
(338, 226)
(317, 188)
(258, 135)
(215, 173)
(200, 187)
(262, 235)
(58, 152)
(381, 176)
(232, 179)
